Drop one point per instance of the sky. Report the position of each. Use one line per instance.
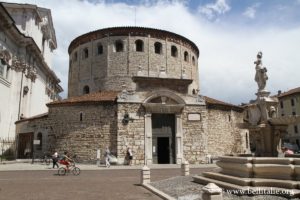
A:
(228, 33)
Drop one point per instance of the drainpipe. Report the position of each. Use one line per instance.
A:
(20, 99)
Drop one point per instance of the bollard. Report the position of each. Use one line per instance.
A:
(185, 168)
(208, 159)
(145, 175)
(212, 192)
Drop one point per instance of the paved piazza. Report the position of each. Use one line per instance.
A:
(90, 184)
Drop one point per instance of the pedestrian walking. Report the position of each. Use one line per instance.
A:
(129, 155)
(106, 155)
(55, 159)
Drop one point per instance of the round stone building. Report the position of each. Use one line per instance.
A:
(113, 58)
(138, 87)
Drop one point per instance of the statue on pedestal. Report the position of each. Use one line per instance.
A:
(261, 73)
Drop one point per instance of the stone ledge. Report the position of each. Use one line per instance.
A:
(158, 192)
(227, 178)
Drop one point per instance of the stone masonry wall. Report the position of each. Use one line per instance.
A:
(110, 70)
(131, 134)
(194, 135)
(224, 137)
(96, 129)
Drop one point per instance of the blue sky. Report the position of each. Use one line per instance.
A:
(229, 33)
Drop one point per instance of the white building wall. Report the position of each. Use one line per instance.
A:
(13, 102)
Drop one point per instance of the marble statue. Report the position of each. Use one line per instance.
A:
(261, 73)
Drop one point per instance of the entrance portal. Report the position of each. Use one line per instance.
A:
(25, 145)
(163, 151)
(163, 138)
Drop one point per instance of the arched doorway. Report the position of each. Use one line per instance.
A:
(163, 128)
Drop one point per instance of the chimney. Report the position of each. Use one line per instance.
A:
(279, 92)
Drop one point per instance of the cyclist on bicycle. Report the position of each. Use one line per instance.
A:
(66, 160)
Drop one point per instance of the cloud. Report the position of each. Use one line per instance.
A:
(212, 10)
(227, 51)
(251, 11)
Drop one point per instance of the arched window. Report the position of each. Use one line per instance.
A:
(186, 56)
(119, 47)
(158, 48)
(40, 138)
(80, 116)
(193, 60)
(85, 53)
(174, 51)
(139, 45)
(86, 89)
(99, 49)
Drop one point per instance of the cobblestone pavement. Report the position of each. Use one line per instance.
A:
(183, 188)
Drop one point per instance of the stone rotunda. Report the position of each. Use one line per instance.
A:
(138, 87)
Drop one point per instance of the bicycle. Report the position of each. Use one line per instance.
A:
(72, 168)
(45, 159)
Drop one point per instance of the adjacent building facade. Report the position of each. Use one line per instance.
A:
(137, 87)
(289, 105)
(27, 82)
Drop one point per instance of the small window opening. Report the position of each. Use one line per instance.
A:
(174, 51)
(292, 102)
(99, 49)
(85, 53)
(158, 48)
(139, 45)
(119, 46)
(86, 89)
(80, 117)
(186, 56)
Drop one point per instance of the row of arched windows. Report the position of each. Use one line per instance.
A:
(139, 47)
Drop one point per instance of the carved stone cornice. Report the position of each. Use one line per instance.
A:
(18, 65)
(5, 55)
(31, 73)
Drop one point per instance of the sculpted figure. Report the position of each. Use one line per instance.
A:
(261, 73)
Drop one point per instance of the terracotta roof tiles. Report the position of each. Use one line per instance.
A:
(214, 102)
(106, 96)
(290, 92)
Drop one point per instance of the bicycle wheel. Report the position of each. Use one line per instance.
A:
(47, 160)
(76, 171)
(62, 171)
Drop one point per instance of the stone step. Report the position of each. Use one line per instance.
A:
(227, 178)
(275, 183)
(289, 184)
(204, 180)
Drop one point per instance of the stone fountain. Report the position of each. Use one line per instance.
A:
(268, 168)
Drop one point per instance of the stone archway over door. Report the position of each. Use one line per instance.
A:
(165, 103)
